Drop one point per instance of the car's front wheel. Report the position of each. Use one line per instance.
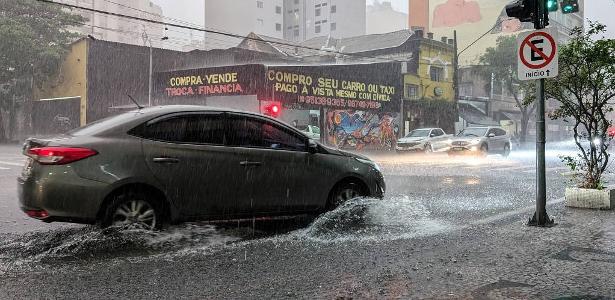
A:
(506, 150)
(343, 193)
(134, 210)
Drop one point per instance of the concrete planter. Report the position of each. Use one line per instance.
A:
(589, 198)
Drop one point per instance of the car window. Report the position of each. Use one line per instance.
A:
(204, 129)
(473, 131)
(245, 131)
(437, 132)
(169, 130)
(189, 128)
(500, 132)
(103, 124)
(491, 131)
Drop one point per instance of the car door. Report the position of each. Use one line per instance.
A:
(186, 154)
(502, 138)
(276, 164)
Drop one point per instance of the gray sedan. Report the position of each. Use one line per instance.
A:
(177, 163)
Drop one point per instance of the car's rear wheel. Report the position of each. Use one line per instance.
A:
(343, 193)
(134, 210)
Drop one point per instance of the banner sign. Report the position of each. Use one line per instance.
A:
(361, 86)
(220, 81)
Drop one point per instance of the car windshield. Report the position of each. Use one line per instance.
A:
(476, 131)
(419, 133)
(303, 128)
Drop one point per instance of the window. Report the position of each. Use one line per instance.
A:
(437, 132)
(412, 91)
(260, 22)
(436, 73)
(204, 129)
(256, 133)
(333, 9)
(278, 27)
(191, 129)
(278, 10)
(333, 26)
(317, 12)
(500, 132)
(259, 4)
(296, 32)
(317, 29)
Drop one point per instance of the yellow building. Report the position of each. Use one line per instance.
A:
(429, 93)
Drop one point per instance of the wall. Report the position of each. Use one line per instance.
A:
(433, 54)
(71, 80)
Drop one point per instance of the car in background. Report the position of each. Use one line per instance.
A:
(311, 131)
(481, 141)
(179, 163)
(424, 140)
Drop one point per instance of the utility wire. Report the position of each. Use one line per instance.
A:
(216, 31)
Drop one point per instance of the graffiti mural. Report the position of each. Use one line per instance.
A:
(358, 130)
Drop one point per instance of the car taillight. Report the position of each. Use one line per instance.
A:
(59, 155)
(37, 214)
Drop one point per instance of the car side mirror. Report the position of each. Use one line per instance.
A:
(491, 135)
(432, 135)
(312, 146)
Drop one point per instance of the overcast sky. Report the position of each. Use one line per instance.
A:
(193, 10)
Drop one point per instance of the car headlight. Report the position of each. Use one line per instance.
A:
(369, 162)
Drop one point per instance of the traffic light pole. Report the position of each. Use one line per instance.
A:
(540, 218)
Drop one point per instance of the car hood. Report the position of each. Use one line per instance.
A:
(339, 152)
(411, 139)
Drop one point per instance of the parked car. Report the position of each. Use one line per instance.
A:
(482, 141)
(424, 140)
(311, 131)
(177, 163)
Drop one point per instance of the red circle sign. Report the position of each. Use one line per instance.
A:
(547, 59)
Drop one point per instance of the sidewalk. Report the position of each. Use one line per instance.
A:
(573, 260)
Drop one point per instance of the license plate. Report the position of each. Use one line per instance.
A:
(457, 149)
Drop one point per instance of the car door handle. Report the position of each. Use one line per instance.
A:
(250, 163)
(166, 160)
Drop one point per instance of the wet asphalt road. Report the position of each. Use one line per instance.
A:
(436, 207)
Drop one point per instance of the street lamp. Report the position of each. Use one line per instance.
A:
(146, 38)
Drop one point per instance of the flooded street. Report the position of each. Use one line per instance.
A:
(438, 213)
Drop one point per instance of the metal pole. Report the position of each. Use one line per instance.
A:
(149, 97)
(540, 216)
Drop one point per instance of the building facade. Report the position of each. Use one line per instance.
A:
(382, 18)
(306, 19)
(241, 17)
(119, 29)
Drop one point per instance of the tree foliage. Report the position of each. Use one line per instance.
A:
(35, 37)
(584, 87)
(500, 63)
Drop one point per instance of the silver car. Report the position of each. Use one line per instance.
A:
(176, 163)
(481, 141)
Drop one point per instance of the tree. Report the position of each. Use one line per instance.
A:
(34, 39)
(500, 64)
(584, 87)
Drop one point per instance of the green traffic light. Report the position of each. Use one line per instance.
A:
(567, 8)
(552, 5)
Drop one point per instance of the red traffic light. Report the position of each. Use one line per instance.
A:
(272, 110)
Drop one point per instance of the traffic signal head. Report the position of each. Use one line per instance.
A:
(522, 9)
(552, 5)
(570, 6)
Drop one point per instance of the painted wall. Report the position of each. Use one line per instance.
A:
(361, 130)
(70, 81)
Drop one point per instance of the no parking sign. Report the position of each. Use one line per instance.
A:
(537, 55)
